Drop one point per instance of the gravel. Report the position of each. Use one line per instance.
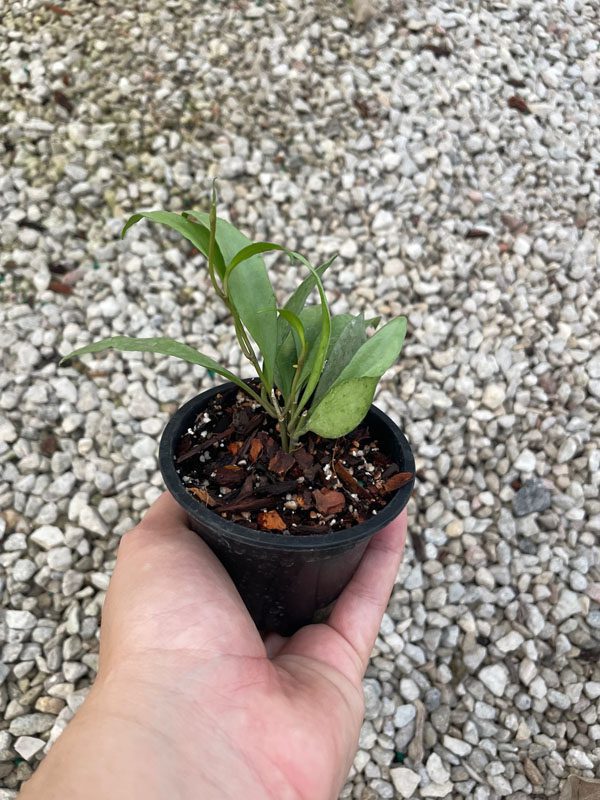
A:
(436, 770)
(405, 781)
(28, 746)
(390, 132)
(533, 496)
(494, 678)
(47, 536)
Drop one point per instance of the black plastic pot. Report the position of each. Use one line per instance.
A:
(285, 581)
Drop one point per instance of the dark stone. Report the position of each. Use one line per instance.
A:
(433, 699)
(527, 546)
(532, 496)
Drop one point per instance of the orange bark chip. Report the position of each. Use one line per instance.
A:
(397, 481)
(255, 449)
(328, 501)
(203, 495)
(271, 521)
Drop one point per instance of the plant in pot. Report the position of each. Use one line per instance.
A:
(289, 475)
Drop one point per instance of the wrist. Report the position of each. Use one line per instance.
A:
(194, 730)
(143, 738)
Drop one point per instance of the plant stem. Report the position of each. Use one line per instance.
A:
(212, 219)
(293, 431)
(282, 419)
(246, 347)
(265, 404)
(263, 393)
(285, 444)
(296, 411)
(290, 406)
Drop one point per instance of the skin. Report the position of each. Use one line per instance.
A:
(190, 703)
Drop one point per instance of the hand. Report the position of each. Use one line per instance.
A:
(191, 704)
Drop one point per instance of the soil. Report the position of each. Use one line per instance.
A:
(231, 461)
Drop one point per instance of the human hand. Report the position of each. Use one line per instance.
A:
(191, 704)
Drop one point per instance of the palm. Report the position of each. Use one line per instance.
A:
(289, 707)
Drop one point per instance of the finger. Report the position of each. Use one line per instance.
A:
(164, 514)
(169, 587)
(274, 643)
(162, 548)
(344, 643)
(164, 528)
(358, 611)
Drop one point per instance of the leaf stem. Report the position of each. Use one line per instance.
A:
(259, 400)
(212, 218)
(291, 402)
(282, 418)
(246, 347)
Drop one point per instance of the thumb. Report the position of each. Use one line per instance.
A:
(170, 593)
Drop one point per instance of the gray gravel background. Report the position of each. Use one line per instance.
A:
(384, 130)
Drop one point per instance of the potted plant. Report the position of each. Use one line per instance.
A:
(289, 475)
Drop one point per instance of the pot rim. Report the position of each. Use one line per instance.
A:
(266, 539)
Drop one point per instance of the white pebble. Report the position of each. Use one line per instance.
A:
(405, 781)
(28, 746)
(47, 536)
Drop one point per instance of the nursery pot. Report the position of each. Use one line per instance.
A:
(285, 581)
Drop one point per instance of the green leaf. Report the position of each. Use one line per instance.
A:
(320, 350)
(247, 252)
(378, 353)
(197, 233)
(289, 368)
(343, 348)
(250, 291)
(363, 370)
(342, 408)
(212, 240)
(162, 345)
(338, 325)
(288, 353)
(297, 331)
(296, 302)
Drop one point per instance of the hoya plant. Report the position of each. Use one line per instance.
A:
(316, 372)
